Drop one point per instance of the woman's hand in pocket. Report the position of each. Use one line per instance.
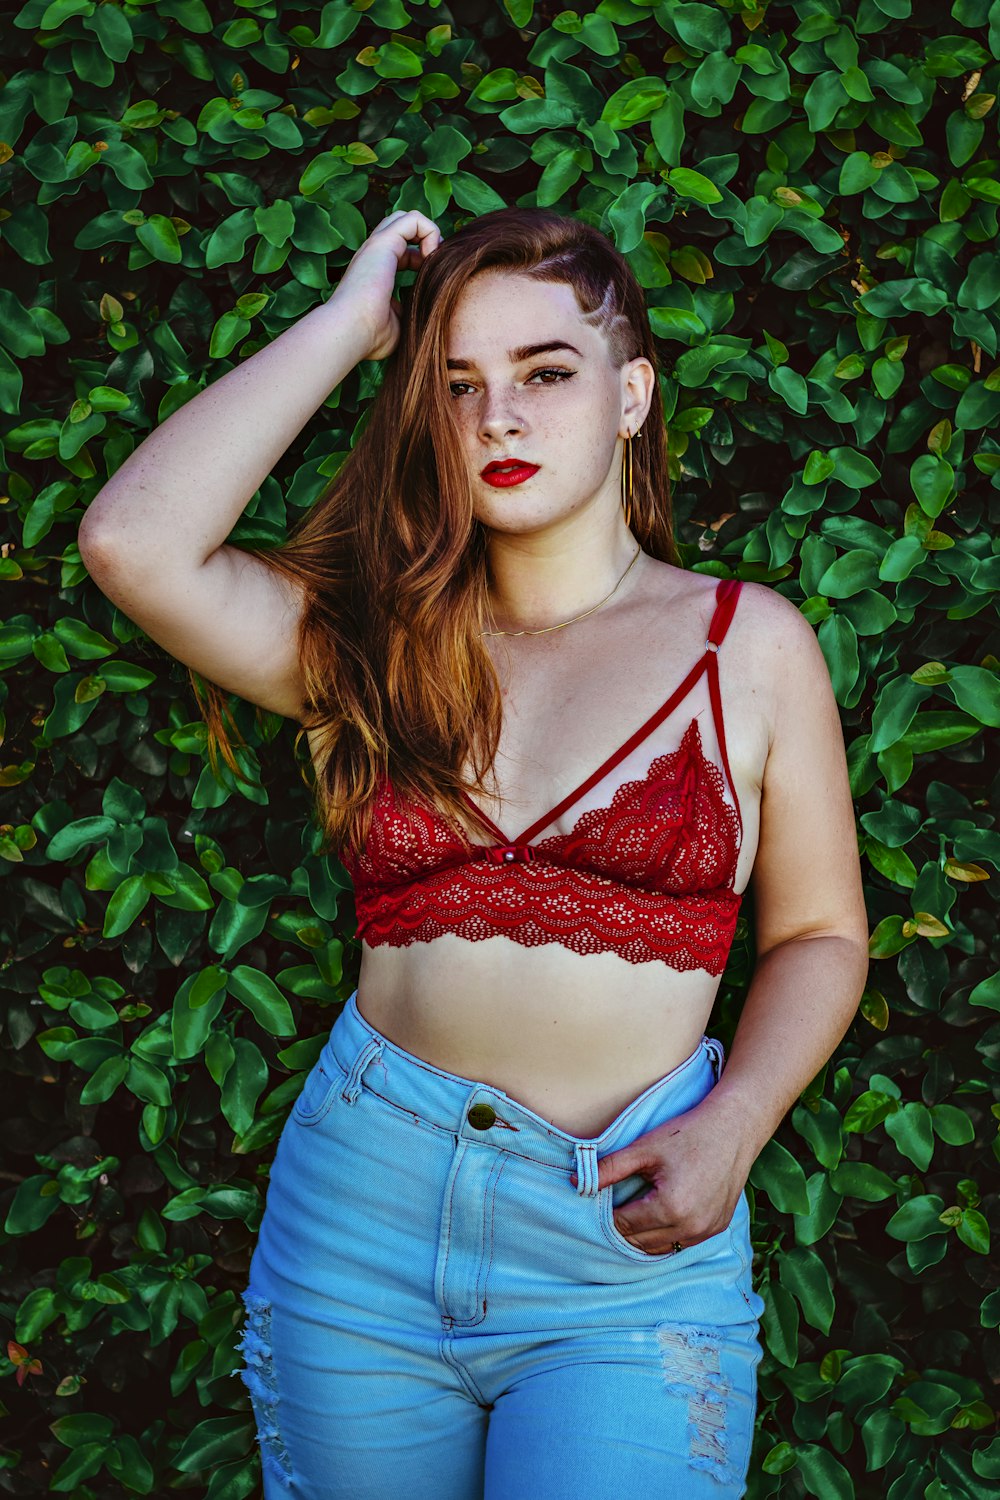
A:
(698, 1164)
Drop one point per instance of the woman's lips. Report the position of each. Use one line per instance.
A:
(509, 474)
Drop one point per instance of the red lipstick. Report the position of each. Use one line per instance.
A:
(507, 471)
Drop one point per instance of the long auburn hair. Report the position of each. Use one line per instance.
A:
(391, 563)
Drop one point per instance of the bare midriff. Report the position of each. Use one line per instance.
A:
(575, 1037)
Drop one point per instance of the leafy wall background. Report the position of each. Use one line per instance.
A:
(809, 194)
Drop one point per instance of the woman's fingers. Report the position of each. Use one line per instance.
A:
(411, 225)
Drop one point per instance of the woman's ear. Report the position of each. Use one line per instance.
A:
(639, 390)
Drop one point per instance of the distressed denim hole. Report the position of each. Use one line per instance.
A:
(259, 1377)
(692, 1367)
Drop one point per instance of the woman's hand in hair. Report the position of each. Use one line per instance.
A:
(368, 283)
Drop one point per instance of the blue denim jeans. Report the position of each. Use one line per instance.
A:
(435, 1311)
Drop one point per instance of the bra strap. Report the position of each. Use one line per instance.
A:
(727, 594)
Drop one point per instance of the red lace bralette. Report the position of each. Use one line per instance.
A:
(649, 877)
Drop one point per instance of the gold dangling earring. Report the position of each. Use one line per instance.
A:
(627, 476)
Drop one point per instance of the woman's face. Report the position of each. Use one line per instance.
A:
(531, 380)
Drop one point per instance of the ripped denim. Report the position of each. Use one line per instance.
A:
(258, 1375)
(434, 1309)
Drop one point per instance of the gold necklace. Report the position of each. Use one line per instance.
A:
(562, 625)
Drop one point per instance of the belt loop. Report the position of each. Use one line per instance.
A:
(586, 1168)
(352, 1086)
(717, 1055)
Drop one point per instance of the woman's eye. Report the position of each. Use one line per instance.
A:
(559, 376)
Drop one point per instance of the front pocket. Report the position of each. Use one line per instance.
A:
(318, 1091)
(617, 1195)
(606, 1211)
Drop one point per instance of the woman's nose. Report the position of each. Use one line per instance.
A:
(498, 417)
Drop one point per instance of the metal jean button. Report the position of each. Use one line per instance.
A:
(482, 1116)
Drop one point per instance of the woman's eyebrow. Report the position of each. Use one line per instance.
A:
(524, 351)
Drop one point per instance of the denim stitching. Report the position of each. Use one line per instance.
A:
(412, 1060)
(491, 1189)
(258, 1375)
(323, 1108)
(485, 1241)
(746, 1271)
(447, 1241)
(571, 1141)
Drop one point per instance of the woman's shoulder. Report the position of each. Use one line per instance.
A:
(774, 626)
(770, 653)
(761, 612)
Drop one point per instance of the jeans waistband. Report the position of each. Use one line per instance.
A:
(479, 1112)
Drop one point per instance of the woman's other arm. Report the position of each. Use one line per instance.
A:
(811, 925)
(812, 952)
(153, 538)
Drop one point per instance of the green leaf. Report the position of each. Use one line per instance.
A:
(895, 864)
(987, 992)
(32, 1206)
(895, 709)
(186, 890)
(935, 731)
(974, 1231)
(261, 996)
(81, 1427)
(777, 1173)
(128, 900)
(228, 331)
(868, 1110)
(159, 236)
(895, 823)
(211, 1442)
(917, 1218)
(105, 1080)
(822, 1474)
(627, 215)
(68, 842)
(853, 468)
(560, 174)
(700, 27)
(838, 641)
(870, 612)
(780, 1324)
(196, 1005)
(859, 1179)
(571, 88)
(806, 1277)
(396, 61)
(849, 574)
(932, 480)
(637, 100)
(687, 183)
(82, 1463)
(818, 467)
(821, 1126)
(674, 322)
(910, 1127)
(977, 691)
(472, 193)
(245, 1081)
(791, 387)
(952, 1125)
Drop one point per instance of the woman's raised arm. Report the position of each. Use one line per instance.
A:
(153, 538)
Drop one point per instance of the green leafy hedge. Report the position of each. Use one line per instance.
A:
(808, 193)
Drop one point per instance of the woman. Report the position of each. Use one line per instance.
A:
(506, 1246)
